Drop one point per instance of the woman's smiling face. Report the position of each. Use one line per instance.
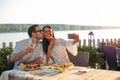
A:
(48, 33)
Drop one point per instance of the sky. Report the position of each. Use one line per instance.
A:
(76, 12)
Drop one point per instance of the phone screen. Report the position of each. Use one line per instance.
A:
(70, 36)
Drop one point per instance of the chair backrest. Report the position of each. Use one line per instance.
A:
(10, 64)
(81, 59)
(110, 55)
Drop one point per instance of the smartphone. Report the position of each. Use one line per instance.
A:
(71, 36)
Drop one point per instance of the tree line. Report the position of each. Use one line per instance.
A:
(57, 27)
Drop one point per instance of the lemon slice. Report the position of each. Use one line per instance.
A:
(22, 66)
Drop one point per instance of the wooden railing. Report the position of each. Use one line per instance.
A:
(98, 42)
(92, 43)
(10, 44)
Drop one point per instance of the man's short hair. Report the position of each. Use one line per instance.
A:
(32, 29)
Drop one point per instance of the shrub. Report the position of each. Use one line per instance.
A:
(94, 56)
(3, 58)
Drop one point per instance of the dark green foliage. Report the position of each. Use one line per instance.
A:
(94, 56)
(57, 27)
(3, 58)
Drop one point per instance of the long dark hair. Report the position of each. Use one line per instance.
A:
(45, 41)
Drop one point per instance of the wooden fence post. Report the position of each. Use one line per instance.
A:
(98, 43)
(79, 43)
(107, 42)
(89, 42)
(84, 42)
(93, 42)
(3, 44)
(102, 40)
(115, 42)
(11, 44)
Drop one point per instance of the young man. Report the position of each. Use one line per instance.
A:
(29, 51)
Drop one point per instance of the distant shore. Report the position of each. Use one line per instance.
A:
(11, 28)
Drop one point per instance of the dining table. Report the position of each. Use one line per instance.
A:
(73, 73)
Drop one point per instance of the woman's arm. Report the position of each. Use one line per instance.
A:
(73, 48)
(48, 55)
(50, 47)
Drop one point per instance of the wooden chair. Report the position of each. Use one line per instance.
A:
(81, 59)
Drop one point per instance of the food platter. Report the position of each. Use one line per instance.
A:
(53, 67)
(29, 67)
(58, 67)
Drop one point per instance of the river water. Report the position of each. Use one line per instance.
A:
(98, 34)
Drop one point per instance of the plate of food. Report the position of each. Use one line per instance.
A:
(58, 67)
(29, 67)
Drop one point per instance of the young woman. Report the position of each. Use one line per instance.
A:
(55, 49)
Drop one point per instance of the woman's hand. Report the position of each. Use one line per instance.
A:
(52, 43)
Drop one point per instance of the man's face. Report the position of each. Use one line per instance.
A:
(38, 33)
